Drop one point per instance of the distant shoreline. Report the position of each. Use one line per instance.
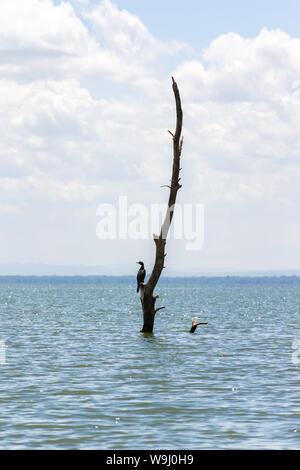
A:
(129, 279)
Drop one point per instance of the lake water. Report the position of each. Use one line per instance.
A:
(76, 373)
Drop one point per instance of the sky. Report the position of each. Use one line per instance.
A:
(86, 103)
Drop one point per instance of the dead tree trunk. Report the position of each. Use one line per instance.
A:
(147, 289)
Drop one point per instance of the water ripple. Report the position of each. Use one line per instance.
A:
(78, 374)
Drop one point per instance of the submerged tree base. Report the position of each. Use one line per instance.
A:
(149, 310)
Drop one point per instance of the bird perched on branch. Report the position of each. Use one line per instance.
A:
(140, 275)
(195, 324)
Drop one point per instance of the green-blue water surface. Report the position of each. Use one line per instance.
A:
(76, 372)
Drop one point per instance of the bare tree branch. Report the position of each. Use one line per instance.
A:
(175, 186)
(159, 308)
(147, 299)
(195, 324)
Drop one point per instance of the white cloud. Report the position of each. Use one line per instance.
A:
(240, 69)
(36, 27)
(65, 140)
(60, 143)
(124, 33)
(8, 209)
(243, 107)
(42, 40)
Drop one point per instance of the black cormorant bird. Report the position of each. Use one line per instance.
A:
(140, 275)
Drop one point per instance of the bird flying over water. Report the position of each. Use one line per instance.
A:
(140, 275)
(195, 324)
